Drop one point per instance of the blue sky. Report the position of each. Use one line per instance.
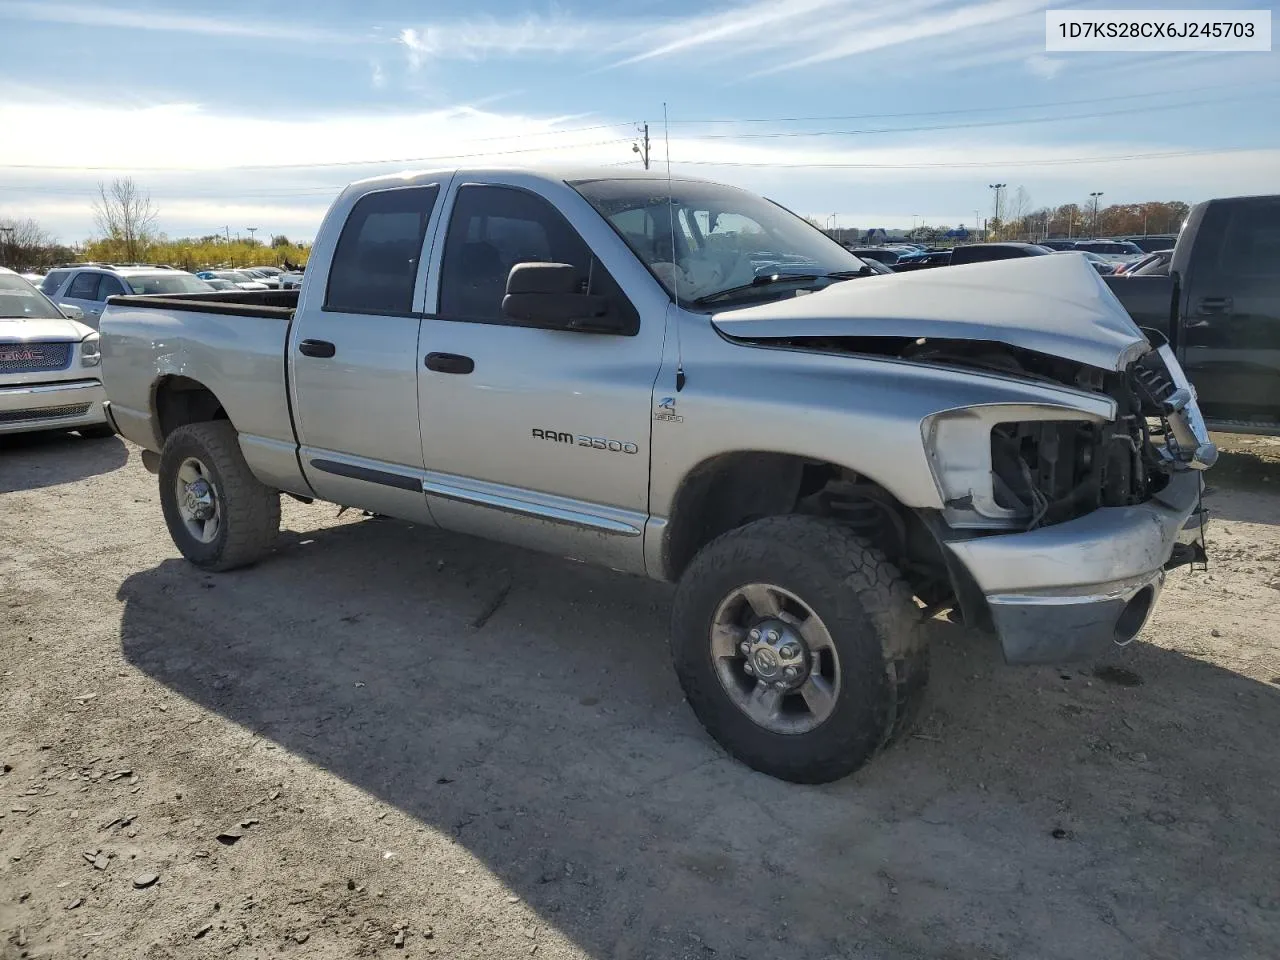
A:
(244, 114)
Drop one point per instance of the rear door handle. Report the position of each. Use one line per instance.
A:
(1214, 305)
(317, 348)
(450, 363)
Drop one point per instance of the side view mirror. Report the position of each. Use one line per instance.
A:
(70, 312)
(547, 295)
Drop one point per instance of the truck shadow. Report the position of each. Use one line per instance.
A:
(29, 461)
(525, 707)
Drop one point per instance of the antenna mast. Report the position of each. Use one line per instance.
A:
(675, 266)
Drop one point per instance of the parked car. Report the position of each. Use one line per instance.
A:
(1219, 308)
(1058, 244)
(883, 254)
(1116, 251)
(217, 283)
(875, 266)
(1101, 264)
(1153, 243)
(49, 365)
(818, 458)
(983, 252)
(1152, 265)
(87, 287)
(923, 261)
(239, 278)
(262, 276)
(291, 280)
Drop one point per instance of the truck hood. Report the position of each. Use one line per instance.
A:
(32, 329)
(1057, 306)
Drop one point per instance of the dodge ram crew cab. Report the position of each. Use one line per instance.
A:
(685, 381)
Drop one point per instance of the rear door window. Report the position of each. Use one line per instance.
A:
(84, 286)
(375, 265)
(1251, 247)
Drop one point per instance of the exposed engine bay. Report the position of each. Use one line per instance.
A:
(1048, 471)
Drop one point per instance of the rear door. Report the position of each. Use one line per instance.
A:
(353, 353)
(82, 292)
(1231, 319)
(537, 436)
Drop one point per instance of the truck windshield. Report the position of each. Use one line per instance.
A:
(19, 299)
(724, 238)
(153, 283)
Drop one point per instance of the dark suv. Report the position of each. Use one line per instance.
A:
(982, 252)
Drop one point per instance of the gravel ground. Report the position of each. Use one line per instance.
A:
(387, 741)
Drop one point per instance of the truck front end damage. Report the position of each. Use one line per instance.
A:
(1063, 498)
(1092, 506)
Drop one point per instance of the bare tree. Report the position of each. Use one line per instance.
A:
(22, 241)
(124, 214)
(1018, 209)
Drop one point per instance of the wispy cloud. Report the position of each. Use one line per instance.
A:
(531, 35)
(267, 28)
(759, 36)
(1044, 67)
(949, 21)
(377, 76)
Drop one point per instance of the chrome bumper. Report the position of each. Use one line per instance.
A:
(1074, 589)
(51, 406)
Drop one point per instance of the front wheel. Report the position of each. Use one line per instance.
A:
(219, 514)
(798, 647)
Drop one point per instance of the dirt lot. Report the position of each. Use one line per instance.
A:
(385, 734)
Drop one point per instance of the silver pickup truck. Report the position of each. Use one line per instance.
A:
(685, 381)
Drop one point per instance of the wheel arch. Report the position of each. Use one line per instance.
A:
(178, 400)
(730, 490)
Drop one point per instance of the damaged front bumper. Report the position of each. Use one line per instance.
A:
(1074, 589)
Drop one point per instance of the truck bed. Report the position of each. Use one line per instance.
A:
(271, 304)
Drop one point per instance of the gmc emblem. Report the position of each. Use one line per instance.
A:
(17, 356)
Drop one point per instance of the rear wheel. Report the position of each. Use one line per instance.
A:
(219, 514)
(798, 647)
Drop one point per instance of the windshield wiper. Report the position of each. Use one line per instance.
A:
(771, 278)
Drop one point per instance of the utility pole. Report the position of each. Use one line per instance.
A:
(1096, 194)
(252, 231)
(8, 243)
(999, 190)
(641, 146)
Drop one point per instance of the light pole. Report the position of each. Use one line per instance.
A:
(995, 215)
(1096, 194)
(252, 231)
(977, 222)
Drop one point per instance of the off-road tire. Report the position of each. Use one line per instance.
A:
(250, 509)
(868, 610)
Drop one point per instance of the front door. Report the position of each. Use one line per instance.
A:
(353, 356)
(529, 435)
(1232, 318)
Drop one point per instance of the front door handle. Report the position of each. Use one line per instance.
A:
(450, 363)
(317, 348)
(1214, 305)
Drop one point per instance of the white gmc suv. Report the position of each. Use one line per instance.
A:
(49, 365)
